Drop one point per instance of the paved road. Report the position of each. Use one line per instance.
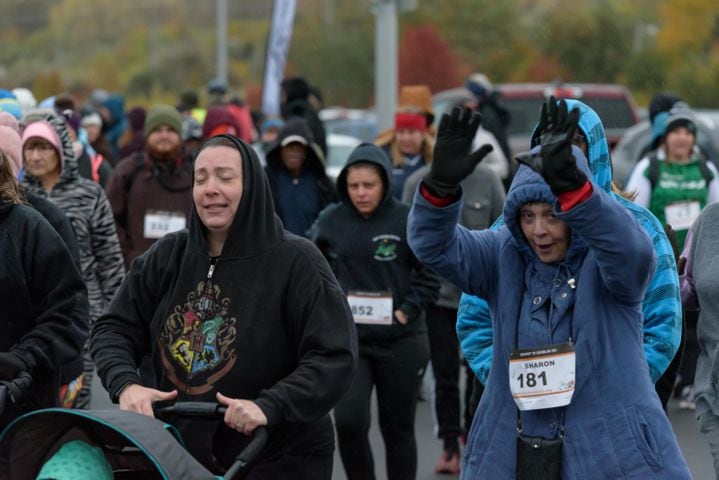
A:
(691, 441)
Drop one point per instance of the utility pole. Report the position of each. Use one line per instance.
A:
(222, 41)
(385, 62)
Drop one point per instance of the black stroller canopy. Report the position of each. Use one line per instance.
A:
(136, 445)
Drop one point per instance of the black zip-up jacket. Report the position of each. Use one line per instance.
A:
(264, 321)
(371, 254)
(44, 304)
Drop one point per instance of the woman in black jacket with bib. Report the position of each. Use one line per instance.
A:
(364, 239)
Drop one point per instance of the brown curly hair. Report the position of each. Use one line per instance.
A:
(9, 188)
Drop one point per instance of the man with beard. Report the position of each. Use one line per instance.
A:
(149, 191)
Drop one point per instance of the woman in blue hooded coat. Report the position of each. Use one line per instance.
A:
(661, 307)
(579, 292)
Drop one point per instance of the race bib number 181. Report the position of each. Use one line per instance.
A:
(542, 377)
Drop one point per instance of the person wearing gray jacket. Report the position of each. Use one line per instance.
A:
(699, 292)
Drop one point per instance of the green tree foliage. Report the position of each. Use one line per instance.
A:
(334, 49)
(154, 49)
(688, 40)
(485, 34)
(592, 43)
(143, 49)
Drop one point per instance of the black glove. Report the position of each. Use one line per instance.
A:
(555, 162)
(452, 161)
(10, 366)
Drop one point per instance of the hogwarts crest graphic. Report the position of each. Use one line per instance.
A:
(197, 340)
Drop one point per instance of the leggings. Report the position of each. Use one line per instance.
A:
(396, 367)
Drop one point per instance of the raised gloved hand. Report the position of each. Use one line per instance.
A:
(10, 366)
(555, 162)
(452, 161)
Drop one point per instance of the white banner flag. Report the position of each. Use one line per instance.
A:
(283, 15)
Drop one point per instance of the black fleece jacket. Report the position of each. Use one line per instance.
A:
(314, 162)
(371, 253)
(44, 304)
(265, 321)
(59, 221)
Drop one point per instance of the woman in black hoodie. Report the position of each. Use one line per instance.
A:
(364, 239)
(238, 310)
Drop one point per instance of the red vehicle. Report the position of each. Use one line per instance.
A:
(613, 103)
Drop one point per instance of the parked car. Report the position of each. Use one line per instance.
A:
(613, 103)
(339, 148)
(354, 122)
(626, 153)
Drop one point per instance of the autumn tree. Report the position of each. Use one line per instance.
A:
(425, 58)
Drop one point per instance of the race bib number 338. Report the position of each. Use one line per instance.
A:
(158, 223)
(373, 308)
(542, 377)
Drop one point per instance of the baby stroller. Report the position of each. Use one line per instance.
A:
(133, 445)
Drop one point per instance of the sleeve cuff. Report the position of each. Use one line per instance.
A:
(569, 200)
(434, 200)
(411, 310)
(270, 409)
(120, 382)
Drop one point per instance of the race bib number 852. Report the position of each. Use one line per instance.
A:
(371, 307)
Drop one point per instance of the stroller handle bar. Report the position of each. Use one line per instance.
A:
(196, 410)
(249, 453)
(211, 411)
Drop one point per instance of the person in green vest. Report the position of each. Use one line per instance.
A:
(676, 181)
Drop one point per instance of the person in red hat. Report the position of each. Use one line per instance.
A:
(409, 146)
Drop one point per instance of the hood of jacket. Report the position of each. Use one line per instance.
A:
(366, 153)
(217, 116)
(297, 127)
(68, 163)
(600, 163)
(528, 186)
(256, 227)
(115, 104)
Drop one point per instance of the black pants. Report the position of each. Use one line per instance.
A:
(293, 467)
(445, 357)
(396, 368)
(691, 350)
(665, 384)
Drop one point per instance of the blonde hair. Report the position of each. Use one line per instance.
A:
(627, 195)
(388, 138)
(9, 188)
